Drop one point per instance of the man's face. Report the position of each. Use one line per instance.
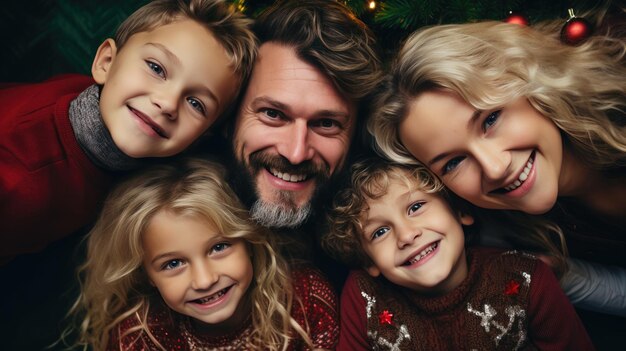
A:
(292, 133)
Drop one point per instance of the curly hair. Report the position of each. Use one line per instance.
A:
(113, 284)
(370, 179)
(488, 64)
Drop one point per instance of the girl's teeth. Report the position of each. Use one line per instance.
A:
(213, 297)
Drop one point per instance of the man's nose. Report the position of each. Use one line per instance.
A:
(297, 144)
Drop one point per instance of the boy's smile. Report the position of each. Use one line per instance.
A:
(164, 88)
(415, 240)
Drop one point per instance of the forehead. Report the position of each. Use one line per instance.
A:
(282, 76)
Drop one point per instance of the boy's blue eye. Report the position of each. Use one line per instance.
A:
(452, 164)
(156, 68)
(415, 207)
(172, 264)
(491, 119)
(196, 104)
(379, 232)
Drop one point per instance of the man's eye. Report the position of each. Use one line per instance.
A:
(328, 123)
(452, 165)
(156, 68)
(379, 232)
(271, 113)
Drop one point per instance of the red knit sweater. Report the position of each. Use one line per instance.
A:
(508, 301)
(175, 332)
(48, 186)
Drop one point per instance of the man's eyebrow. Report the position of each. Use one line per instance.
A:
(274, 103)
(470, 122)
(284, 107)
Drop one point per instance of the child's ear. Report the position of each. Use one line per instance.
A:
(466, 219)
(373, 271)
(103, 60)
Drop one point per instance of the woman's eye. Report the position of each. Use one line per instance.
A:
(172, 264)
(196, 104)
(491, 119)
(452, 165)
(157, 69)
(415, 207)
(220, 247)
(379, 232)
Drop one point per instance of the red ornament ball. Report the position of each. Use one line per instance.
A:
(517, 18)
(575, 30)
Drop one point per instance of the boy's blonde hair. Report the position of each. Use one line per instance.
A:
(229, 27)
(115, 287)
(370, 179)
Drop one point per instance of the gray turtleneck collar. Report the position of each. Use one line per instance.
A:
(93, 136)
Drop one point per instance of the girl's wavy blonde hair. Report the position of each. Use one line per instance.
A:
(115, 287)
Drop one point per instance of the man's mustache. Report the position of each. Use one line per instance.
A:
(260, 160)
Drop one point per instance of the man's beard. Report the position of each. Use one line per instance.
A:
(284, 213)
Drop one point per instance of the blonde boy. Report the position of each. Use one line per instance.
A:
(421, 289)
(172, 70)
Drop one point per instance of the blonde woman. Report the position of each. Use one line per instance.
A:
(174, 263)
(510, 118)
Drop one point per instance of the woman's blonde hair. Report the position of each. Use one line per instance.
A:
(115, 287)
(582, 89)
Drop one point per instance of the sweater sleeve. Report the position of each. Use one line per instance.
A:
(554, 324)
(353, 331)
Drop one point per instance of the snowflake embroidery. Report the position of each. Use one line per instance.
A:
(515, 314)
(403, 331)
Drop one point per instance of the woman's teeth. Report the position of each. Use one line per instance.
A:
(522, 177)
(422, 254)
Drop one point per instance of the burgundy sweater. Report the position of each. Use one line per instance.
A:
(508, 301)
(174, 331)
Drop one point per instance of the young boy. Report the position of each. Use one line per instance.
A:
(421, 289)
(173, 68)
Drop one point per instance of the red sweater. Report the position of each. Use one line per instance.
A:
(48, 186)
(175, 332)
(507, 301)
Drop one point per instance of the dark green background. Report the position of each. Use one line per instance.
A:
(41, 38)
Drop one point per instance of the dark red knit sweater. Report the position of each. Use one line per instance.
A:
(508, 301)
